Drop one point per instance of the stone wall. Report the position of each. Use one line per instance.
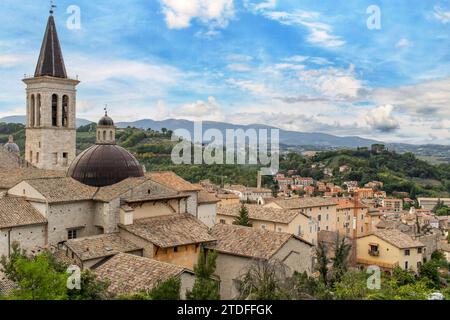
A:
(29, 237)
(65, 216)
(295, 255)
(12, 160)
(41, 135)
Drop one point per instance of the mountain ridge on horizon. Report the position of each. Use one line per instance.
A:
(287, 137)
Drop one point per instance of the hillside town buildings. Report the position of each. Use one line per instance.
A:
(102, 210)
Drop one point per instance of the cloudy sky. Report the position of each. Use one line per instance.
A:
(307, 65)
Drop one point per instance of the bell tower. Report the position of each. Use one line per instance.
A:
(51, 107)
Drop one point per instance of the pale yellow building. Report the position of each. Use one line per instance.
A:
(272, 219)
(172, 238)
(320, 210)
(352, 217)
(392, 204)
(389, 248)
(228, 199)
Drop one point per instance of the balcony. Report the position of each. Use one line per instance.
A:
(374, 253)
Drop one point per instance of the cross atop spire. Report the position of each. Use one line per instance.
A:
(51, 62)
(106, 110)
(52, 6)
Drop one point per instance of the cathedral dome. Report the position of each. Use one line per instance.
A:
(103, 165)
(106, 121)
(11, 146)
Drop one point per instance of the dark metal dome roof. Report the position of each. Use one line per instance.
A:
(106, 121)
(104, 165)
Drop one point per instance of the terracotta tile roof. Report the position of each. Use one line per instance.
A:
(396, 238)
(6, 286)
(129, 273)
(346, 203)
(116, 190)
(257, 212)
(63, 189)
(15, 212)
(173, 181)
(258, 190)
(61, 257)
(170, 230)
(103, 245)
(207, 197)
(445, 247)
(247, 242)
(393, 224)
(159, 196)
(12, 176)
(298, 203)
(227, 196)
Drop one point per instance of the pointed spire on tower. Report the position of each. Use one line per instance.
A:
(51, 62)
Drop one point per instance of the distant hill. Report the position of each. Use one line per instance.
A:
(22, 120)
(305, 140)
(399, 172)
(293, 138)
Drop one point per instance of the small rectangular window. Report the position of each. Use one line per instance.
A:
(72, 234)
(222, 221)
(419, 250)
(65, 158)
(407, 252)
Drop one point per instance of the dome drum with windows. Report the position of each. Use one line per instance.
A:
(105, 163)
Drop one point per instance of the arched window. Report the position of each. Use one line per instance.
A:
(54, 110)
(98, 135)
(38, 111)
(65, 111)
(111, 135)
(104, 135)
(32, 106)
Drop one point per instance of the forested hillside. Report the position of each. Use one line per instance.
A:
(399, 172)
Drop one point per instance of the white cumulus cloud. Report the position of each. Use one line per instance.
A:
(441, 15)
(214, 13)
(381, 119)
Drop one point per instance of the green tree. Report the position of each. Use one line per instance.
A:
(37, 280)
(341, 255)
(9, 264)
(265, 280)
(438, 256)
(91, 288)
(205, 286)
(352, 286)
(243, 219)
(403, 277)
(305, 287)
(322, 261)
(43, 278)
(166, 290)
(429, 271)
